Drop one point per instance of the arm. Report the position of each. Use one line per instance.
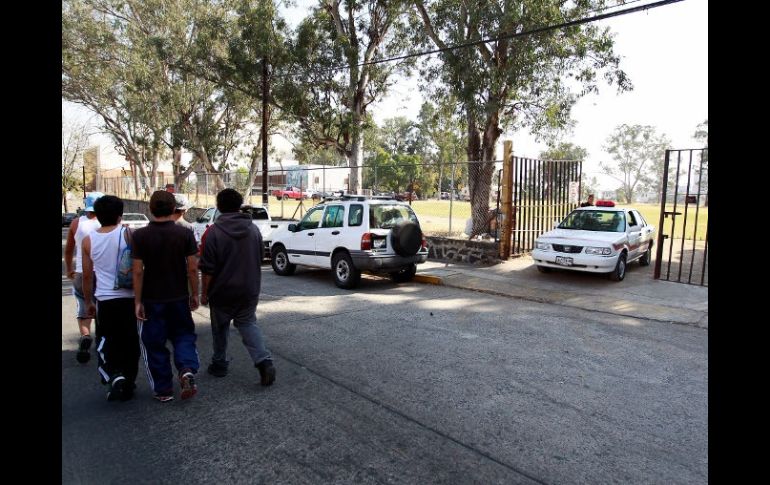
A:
(192, 277)
(138, 270)
(88, 278)
(69, 249)
(206, 280)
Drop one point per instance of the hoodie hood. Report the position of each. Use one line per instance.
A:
(235, 224)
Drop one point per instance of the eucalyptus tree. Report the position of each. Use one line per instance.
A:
(638, 152)
(74, 141)
(332, 82)
(529, 81)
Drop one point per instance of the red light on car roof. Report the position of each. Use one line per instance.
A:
(605, 203)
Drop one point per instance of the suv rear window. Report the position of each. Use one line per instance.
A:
(257, 213)
(385, 216)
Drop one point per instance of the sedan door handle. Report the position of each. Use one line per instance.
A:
(310, 233)
(334, 233)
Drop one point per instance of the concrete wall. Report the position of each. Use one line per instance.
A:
(462, 251)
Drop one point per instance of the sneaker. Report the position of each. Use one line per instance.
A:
(84, 347)
(217, 370)
(117, 389)
(189, 389)
(164, 397)
(266, 372)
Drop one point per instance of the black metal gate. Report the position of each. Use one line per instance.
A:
(682, 254)
(541, 196)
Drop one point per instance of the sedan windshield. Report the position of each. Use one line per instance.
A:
(595, 220)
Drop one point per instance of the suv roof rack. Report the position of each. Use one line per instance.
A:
(358, 197)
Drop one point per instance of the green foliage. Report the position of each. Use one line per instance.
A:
(393, 172)
(564, 151)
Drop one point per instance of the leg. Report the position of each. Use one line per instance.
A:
(246, 323)
(153, 334)
(127, 354)
(84, 322)
(220, 329)
(245, 320)
(182, 335)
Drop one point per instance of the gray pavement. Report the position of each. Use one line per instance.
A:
(411, 384)
(638, 295)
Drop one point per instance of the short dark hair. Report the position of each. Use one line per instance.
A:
(229, 200)
(108, 210)
(162, 203)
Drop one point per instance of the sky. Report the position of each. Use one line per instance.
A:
(664, 51)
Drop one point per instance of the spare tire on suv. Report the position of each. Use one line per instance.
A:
(406, 238)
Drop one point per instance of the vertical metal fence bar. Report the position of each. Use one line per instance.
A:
(705, 256)
(451, 198)
(673, 216)
(527, 203)
(661, 218)
(519, 205)
(516, 210)
(697, 209)
(684, 223)
(539, 177)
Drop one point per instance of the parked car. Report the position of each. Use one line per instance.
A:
(134, 220)
(260, 218)
(350, 235)
(288, 192)
(598, 239)
(67, 218)
(406, 196)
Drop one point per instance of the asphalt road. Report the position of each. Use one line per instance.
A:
(408, 384)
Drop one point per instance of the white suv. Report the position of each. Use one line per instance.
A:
(353, 234)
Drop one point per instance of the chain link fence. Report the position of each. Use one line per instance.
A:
(438, 194)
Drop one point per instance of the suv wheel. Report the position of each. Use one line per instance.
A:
(280, 262)
(406, 274)
(346, 275)
(406, 238)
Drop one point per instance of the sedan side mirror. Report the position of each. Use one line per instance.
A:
(293, 227)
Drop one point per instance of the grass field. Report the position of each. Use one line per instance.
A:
(434, 215)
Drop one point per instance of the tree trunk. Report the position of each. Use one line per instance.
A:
(64, 199)
(480, 174)
(176, 165)
(355, 160)
(255, 166)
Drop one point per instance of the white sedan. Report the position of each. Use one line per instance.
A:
(135, 220)
(601, 239)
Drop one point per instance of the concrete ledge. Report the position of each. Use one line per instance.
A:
(427, 279)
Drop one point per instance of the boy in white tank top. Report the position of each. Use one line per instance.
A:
(117, 335)
(78, 230)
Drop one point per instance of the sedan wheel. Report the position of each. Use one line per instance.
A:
(620, 269)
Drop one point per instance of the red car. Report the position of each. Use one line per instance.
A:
(288, 192)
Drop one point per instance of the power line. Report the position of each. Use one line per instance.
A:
(538, 30)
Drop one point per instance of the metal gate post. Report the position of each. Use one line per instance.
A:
(659, 252)
(507, 191)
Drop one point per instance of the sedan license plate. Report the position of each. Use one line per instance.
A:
(563, 261)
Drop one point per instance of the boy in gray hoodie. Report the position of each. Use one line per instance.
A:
(231, 264)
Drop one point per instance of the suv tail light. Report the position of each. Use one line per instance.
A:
(424, 242)
(366, 241)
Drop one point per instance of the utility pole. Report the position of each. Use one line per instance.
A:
(265, 90)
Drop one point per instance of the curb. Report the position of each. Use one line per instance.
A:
(427, 279)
